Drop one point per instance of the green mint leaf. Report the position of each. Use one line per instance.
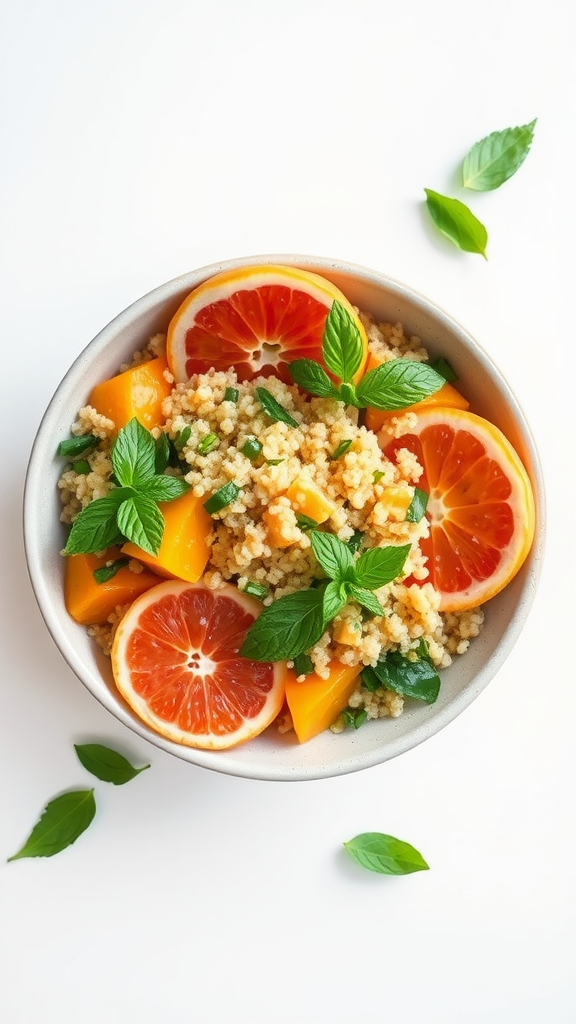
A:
(182, 438)
(442, 366)
(365, 598)
(162, 453)
(332, 554)
(96, 526)
(384, 854)
(133, 454)
(378, 566)
(106, 764)
(417, 679)
(141, 521)
(417, 507)
(495, 158)
(63, 820)
(275, 411)
(398, 384)
(333, 600)
(356, 541)
(303, 665)
(312, 377)
(305, 522)
(457, 222)
(108, 572)
(164, 488)
(286, 628)
(342, 347)
(74, 446)
(348, 395)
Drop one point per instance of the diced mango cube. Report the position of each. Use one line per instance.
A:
(184, 549)
(306, 497)
(315, 703)
(137, 392)
(89, 602)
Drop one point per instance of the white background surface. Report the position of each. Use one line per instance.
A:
(140, 140)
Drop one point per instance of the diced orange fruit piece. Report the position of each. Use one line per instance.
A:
(89, 602)
(137, 392)
(316, 703)
(396, 500)
(275, 530)
(184, 549)
(306, 497)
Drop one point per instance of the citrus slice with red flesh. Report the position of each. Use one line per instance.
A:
(480, 505)
(176, 662)
(255, 320)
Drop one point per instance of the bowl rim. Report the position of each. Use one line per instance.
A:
(213, 760)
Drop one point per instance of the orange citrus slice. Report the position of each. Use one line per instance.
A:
(175, 661)
(256, 320)
(480, 506)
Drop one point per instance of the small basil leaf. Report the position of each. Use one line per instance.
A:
(378, 566)
(342, 347)
(106, 764)
(275, 411)
(333, 601)
(141, 521)
(457, 222)
(417, 507)
(133, 454)
(63, 820)
(385, 854)
(286, 628)
(96, 527)
(495, 158)
(332, 554)
(164, 488)
(312, 377)
(398, 384)
(365, 598)
(417, 679)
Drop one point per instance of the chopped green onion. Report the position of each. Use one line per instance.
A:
(305, 522)
(275, 411)
(255, 590)
(274, 462)
(182, 437)
(208, 444)
(82, 468)
(303, 665)
(341, 449)
(377, 476)
(252, 448)
(73, 446)
(231, 395)
(354, 717)
(355, 541)
(107, 572)
(223, 497)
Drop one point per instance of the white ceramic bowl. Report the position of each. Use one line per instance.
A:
(272, 756)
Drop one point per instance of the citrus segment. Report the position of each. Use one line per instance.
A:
(176, 661)
(480, 506)
(255, 320)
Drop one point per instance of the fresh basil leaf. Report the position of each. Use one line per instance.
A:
(378, 566)
(417, 507)
(275, 411)
(108, 572)
(96, 526)
(417, 679)
(365, 598)
(334, 599)
(106, 764)
(164, 488)
(73, 446)
(333, 555)
(443, 367)
(63, 820)
(398, 384)
(286, 628)
(141, 521)
(312, 377)
(162, 453)
(495, 158)
(342, 347)
(133, 454)
(385, 854)
(457, 222)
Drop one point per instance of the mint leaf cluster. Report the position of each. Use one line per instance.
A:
(392, 385)
(292, 624)
(130, 511)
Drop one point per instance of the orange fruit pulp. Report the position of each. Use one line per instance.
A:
(480, 506)
(176, 661)
(255, 320)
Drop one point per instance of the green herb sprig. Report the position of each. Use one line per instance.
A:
(386, 855)
(130, 511)
(292, 624)
(393, 385)
(410, 676)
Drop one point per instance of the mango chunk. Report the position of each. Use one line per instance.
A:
(396, 500)
(90, 603)
(306, 497)
(280, 529)
(315, 703)
(184, 549)
(137, 392)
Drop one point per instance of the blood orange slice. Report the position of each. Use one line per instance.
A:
(480, 507)
(175, 661)
(256, 320)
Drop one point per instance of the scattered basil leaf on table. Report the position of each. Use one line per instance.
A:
(385, 854)
(495, 158)
(63, 820)
(457, 222)
(106, 764)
